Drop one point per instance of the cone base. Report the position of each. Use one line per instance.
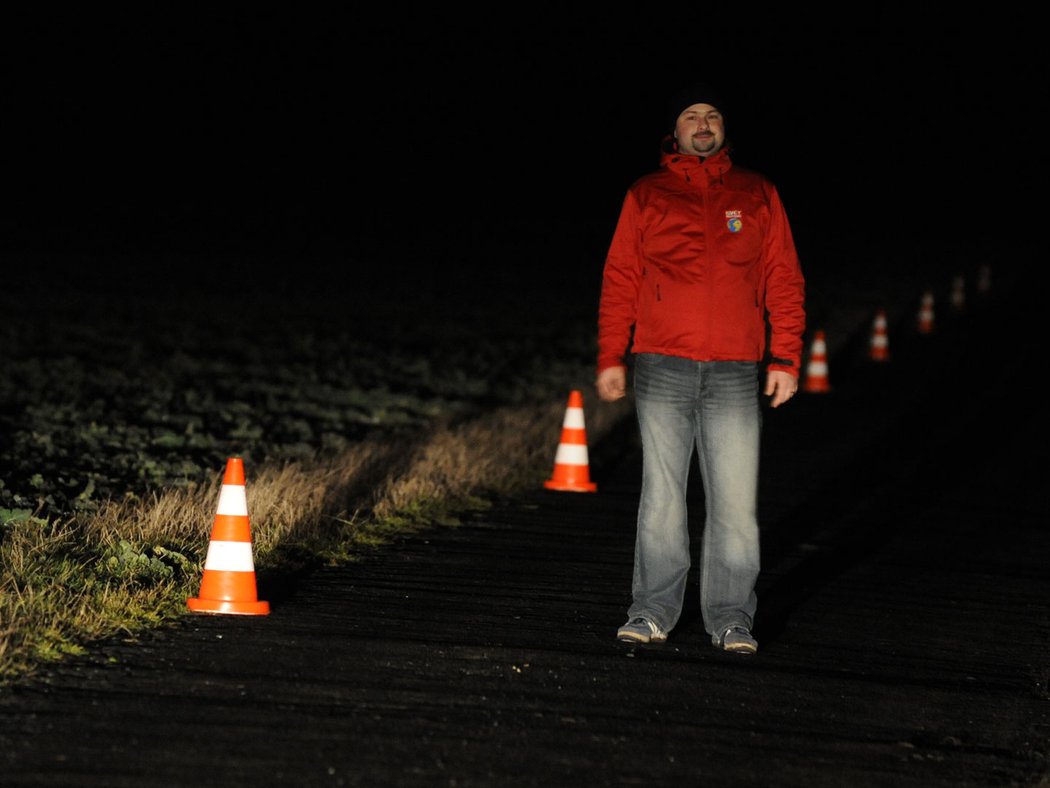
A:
(228, 606)
(571, 486)
(818, 388)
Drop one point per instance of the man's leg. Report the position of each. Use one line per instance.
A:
(666, 390)
(728, 446)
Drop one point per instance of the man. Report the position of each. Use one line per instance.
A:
(702, 281)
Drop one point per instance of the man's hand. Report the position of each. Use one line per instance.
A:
(612, 383)
(781, 386)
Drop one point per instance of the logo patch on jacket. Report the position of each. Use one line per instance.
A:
(735, 221)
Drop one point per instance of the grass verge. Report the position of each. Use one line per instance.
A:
(132, 564)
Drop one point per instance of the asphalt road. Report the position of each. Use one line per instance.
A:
(903, 623)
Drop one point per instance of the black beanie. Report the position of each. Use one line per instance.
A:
(694, 94)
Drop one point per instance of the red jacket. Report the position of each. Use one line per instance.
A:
(701, 257)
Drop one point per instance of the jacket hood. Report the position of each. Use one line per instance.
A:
(691, 167)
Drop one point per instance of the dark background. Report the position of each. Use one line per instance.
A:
(278, 148)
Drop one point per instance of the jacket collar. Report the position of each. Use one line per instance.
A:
(692, 167)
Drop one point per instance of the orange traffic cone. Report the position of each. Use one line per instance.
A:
(880, 341)
(571, 466)
(817, 368)
(228, 585)
(926, 313)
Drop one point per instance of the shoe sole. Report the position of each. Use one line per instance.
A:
(742, 648)
(628, 637)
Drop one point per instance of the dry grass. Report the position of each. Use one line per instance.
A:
(137, 560)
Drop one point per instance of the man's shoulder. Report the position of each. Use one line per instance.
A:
(747, 173)
(658, 174)
(657, 179)
(744, 178)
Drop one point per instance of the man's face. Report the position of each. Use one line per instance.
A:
(700, 130)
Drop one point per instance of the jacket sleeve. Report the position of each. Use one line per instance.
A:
(620, 281)
(785, 292)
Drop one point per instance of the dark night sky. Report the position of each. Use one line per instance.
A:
(403, 137)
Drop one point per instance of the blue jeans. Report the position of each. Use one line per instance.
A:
(714, 406)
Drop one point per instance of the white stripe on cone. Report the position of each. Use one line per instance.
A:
(573, 418)
(229, 557)
(571, 454)
(233, 501)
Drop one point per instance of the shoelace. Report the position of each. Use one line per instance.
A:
(735, 628)
(640, 620)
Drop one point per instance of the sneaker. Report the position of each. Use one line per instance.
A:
(641, 630)
(737, 639)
